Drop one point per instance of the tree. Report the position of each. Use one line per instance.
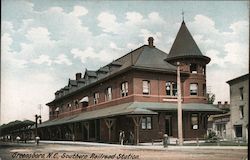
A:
(210, 98)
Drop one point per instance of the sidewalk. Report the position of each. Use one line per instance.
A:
(157, 146)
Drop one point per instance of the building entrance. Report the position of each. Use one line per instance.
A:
(168, 125)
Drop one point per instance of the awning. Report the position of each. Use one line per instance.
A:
(132, 108)
(84, 99)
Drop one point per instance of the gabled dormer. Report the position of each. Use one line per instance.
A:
(90, 76)
(102, 72)
(72, 84)
(113, 66)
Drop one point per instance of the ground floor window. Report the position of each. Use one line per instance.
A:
(146, 123)
(194, 121)
(238, 130)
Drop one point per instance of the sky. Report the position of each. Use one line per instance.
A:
(44, 43)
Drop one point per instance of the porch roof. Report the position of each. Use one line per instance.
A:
(122, 109)
(132, 108)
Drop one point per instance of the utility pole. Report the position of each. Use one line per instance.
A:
(37, 117)
(180, 135)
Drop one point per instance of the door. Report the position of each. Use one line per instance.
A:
(168, 125)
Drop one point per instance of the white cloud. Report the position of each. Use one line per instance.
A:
(114, 46)
(10, 58)
(134, 17)
(39, 35)
(108, 22)
(62, 59)
(102, 55)
(43, 59)
(154, 17)
(79, 11)
(7, 27)
(237, 53)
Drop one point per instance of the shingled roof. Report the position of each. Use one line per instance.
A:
(146, 57)
(185, 46)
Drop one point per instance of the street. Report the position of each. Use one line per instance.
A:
(12, 151)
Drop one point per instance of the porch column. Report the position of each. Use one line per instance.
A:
(86, 125)
(50, 136)
(137, 122)
(60, 132)
(109, 122)
(71, 128)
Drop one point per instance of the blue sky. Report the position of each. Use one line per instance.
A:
(44, 43)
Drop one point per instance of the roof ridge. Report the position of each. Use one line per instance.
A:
(133, 63)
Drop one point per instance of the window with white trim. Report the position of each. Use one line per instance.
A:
(171, 88)
(146, 87)
(146, 123)
(193, 89)
(108, 94)
(124, 89)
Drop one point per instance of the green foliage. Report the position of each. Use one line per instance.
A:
(211, 137)
(211, 98)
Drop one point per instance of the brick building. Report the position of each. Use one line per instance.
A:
(239, 99)
(135, 93)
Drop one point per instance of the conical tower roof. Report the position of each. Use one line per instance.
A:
(184, 46)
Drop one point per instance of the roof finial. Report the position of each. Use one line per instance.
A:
(182, 15)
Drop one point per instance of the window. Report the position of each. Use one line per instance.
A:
(193, 68)
(171, 89)
(96, 97)
(124, 89)
(109, 94)
(238, 130)
(204, 90)
(193, 89)
(69, 105)
(204, 70)
(194, 121)
(146, 87)
(241, 108)
(146, 123)
(241, 93)
(76, 103)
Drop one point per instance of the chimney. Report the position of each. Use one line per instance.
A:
(219, 104)
(151, 42)
(78, 76)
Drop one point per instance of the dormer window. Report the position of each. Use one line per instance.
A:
(193, 68)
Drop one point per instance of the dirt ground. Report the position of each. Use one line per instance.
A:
(73, 152)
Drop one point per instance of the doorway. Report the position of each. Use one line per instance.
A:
(168, 125)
